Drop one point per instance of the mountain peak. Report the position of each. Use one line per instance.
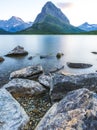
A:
(86, 23)
(50, 5)
(14, 19)
(50, 9)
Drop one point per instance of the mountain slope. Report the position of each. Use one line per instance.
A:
(14, 24)
(51, 25)
(88, 27)
(3, 31)
(51, 21)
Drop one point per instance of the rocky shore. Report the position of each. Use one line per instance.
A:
(32, 96)
(35, 100)
(69, 100)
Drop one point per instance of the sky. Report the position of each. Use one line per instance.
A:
(77, 11)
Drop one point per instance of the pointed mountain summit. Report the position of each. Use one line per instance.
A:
(51, 10)
(51, 20)
(14, 20)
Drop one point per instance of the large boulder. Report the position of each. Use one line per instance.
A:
(24, 87)
(45, 79)
(17, 51)
(29, 72)
(1, 59)
(78, 65)
(12, 115)
(77, 111)
(61, 84)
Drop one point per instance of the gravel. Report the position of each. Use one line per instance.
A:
(36, 107)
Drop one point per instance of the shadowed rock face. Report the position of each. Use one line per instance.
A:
(77, 111)
(78, 65)
(24, 87)
(17, 51)
(12, 115)
(28, 72)
(61, 84)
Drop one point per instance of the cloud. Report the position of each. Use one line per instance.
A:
(63, 5)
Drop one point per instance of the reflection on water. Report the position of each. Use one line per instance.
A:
(75, 48)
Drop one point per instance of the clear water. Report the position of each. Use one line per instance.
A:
(76, 48)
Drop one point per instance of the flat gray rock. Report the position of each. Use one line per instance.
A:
(28, 72)
(78, 65)
(17, 51)
(24, 87)
(12, 115)
(61, 84)
(77, 111)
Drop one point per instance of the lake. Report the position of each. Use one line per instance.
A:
(76, 48)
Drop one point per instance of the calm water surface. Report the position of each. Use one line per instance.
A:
(76, 48)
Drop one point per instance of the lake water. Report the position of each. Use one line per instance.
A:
(76, 48)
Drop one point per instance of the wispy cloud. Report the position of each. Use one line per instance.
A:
(63, 5)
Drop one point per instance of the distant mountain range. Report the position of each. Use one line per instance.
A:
(51, 20)
(14, 24)
(88, 27)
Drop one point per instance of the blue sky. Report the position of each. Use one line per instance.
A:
(78, 11)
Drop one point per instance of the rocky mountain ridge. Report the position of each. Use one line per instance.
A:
(14, 24)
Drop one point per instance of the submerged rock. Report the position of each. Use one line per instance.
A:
(45, 56)
(77, 111)
(30, 58)
(1, 59)
(12, 115)
(17, 51)
(94, 52)
(59, 55)
(78, 65)
(61, 84)
(24, 87)
(28, 72)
